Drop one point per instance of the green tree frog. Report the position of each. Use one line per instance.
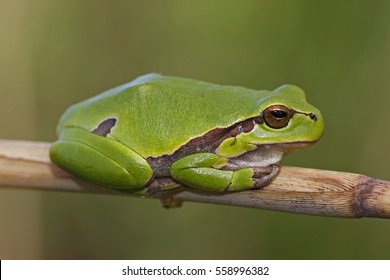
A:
(202, 135)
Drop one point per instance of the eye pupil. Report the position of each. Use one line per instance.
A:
(279, 114)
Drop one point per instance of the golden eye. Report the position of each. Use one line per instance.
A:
(277, 116)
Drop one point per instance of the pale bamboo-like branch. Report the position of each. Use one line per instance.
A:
(27, 165)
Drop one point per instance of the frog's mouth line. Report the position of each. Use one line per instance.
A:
(287, 147)
(286, 144)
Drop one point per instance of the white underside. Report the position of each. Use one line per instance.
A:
(264, 155)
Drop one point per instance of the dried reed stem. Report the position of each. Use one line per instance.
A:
(27, 165)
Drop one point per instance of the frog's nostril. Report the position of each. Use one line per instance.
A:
(313, 116)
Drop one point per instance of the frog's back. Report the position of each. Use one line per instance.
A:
(155, 115)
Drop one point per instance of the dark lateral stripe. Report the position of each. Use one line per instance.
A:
(208, 142)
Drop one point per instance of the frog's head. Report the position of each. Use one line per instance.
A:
(286, 117)
(285, 123)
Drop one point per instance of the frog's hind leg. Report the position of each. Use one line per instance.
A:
(100, 159)
(165, 188)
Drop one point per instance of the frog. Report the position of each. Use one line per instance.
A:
(203, 136)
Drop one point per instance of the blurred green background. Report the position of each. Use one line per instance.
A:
(55, 53)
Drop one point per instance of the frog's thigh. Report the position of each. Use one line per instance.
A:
(100, 160)
(202, 171)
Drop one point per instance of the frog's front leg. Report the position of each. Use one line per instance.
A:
(209, 171)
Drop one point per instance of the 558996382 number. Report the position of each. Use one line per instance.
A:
(240, 270)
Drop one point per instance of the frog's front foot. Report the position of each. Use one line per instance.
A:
(263, 176)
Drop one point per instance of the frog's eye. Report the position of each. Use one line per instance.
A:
(277, 116)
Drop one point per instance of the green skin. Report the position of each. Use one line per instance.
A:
(206, 136)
